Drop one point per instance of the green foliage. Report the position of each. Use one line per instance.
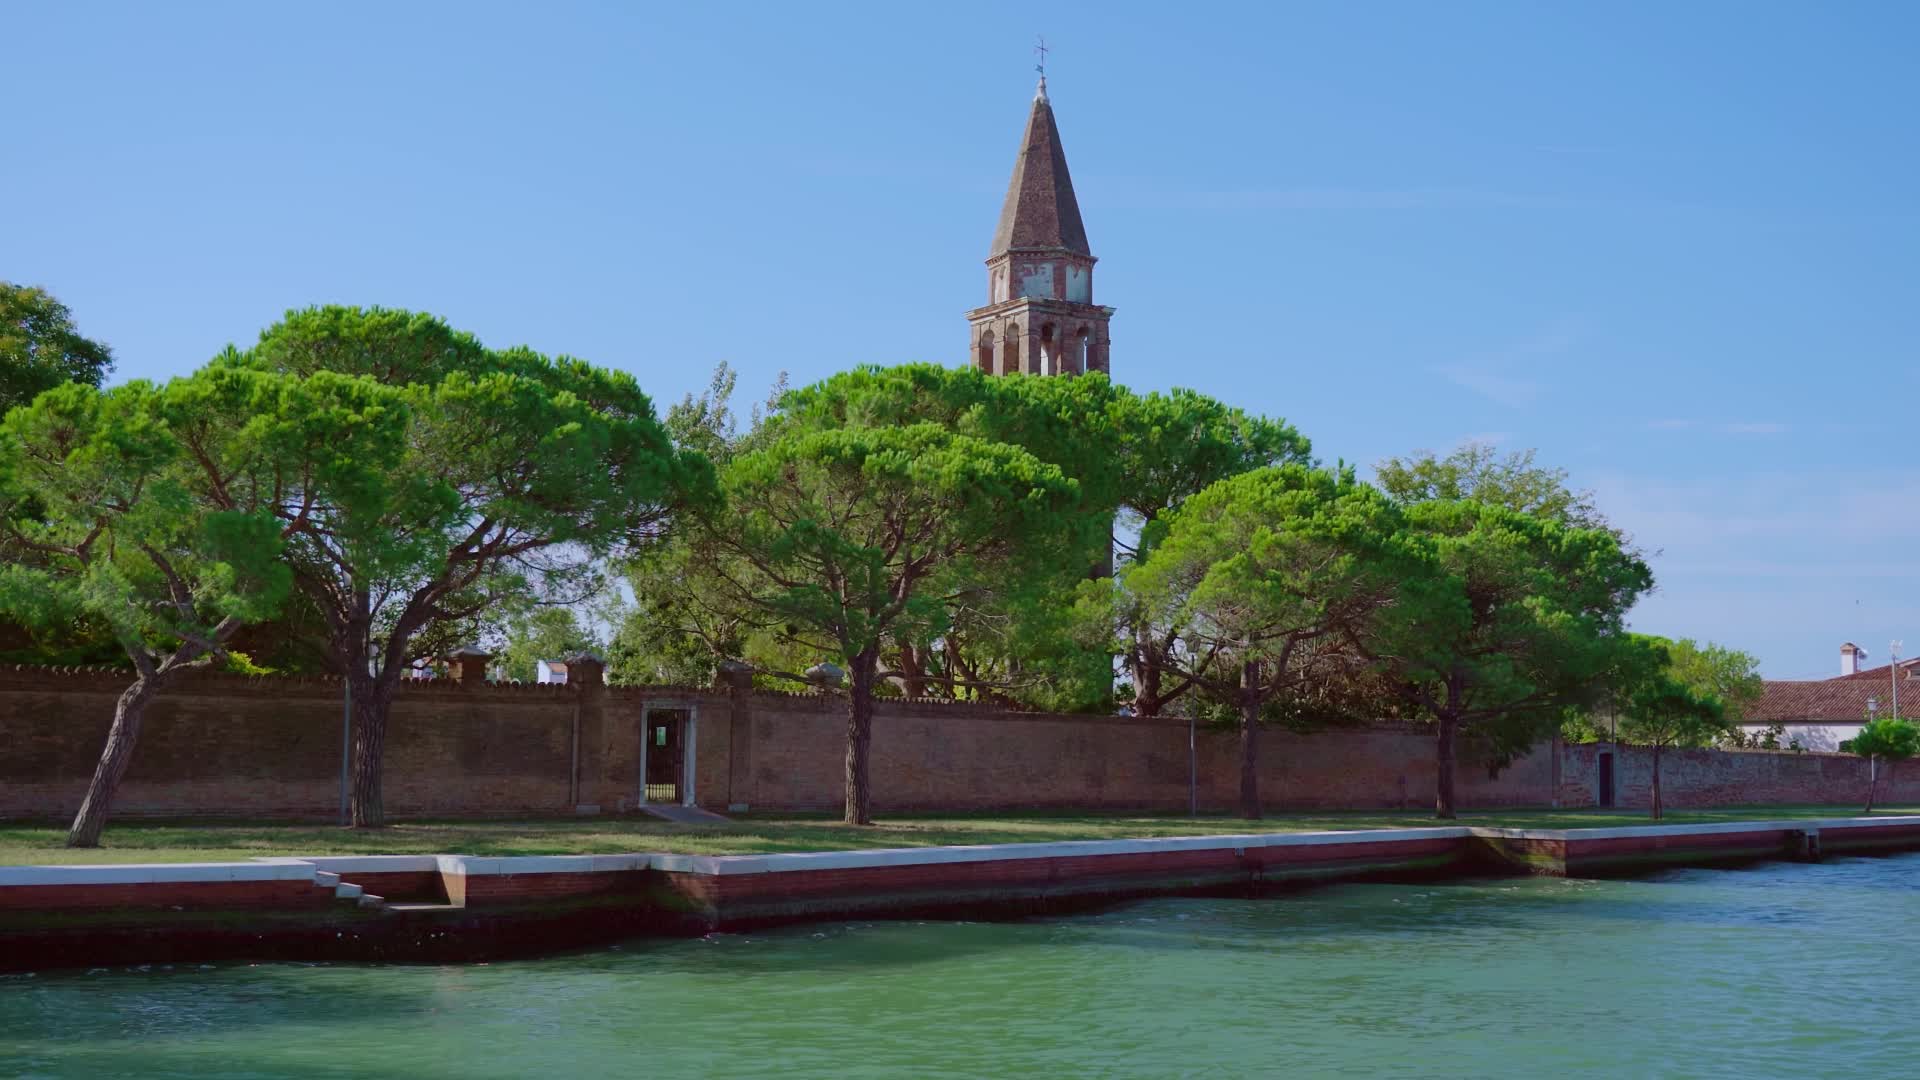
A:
(1717, 671)
(1518, 619)
(513, 473)
(1888, 738)
(1174, 446)
(1258, 587)
(40, 348)
(1002, 628)
(235, 662)
(544, 633)
(1477, 473)
(1654, 708)
(1257, 565)
(706, 424)
(839, 532)
(1710, 672)
(504, 478)
(677, 630)
(1008, 628)
(1666, 713)
(681, 623)
(1767, 738)
(119, 535)
(843, 540)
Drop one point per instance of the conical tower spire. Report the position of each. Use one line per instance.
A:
(1040, 318)
(1040, 213)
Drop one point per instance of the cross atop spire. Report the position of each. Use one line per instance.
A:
(1041, 67)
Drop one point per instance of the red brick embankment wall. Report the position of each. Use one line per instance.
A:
(320, 909)
(227, 745)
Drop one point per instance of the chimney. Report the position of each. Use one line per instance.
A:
(1850, 657)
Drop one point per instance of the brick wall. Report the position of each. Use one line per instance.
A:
(931, 756)
(244, 746)
(1730, 777)
(228, 745)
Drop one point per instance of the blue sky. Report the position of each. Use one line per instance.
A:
(1673, 247)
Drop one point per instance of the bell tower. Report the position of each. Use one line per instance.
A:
(1040, 318)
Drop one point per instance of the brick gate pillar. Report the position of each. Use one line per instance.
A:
(587, 678)
(737, 680)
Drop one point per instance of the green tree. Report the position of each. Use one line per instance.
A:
(1260, 580)
(1520, 620)
(520, 474)
(124, 531)
(676, 632)
(838, 540)
(680, 625)
(1169, 448)
(1476, 472)
(40, 348)
(1885, 739)
(1717, 671)
(543, 633)
(1661, 711)
(707, 423)
(996, 634)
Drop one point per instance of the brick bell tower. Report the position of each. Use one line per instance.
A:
(1040, 317)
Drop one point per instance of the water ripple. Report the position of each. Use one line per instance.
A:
(1777, 970)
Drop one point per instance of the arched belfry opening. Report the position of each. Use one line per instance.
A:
(1040, 268)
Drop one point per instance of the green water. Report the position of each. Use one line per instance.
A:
(1778, 970)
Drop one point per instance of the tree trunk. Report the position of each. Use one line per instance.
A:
(913, 681)
(372, 701)
(1146, 676)
(1250, 741)
(1443, 769)
(114, 758)
(859, 802)
(1658, 809)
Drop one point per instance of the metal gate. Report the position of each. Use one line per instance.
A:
(666, 754)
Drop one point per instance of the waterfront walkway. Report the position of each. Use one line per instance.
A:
(147, 841)
(461, 906)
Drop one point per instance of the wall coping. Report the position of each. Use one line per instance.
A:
(155, 873)
(362, 864)
(1630, 831)
(287, 868)
(1059, 849)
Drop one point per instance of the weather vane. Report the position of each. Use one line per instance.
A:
(1041, 48)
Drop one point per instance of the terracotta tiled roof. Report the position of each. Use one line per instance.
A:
(1839, 700)
(1040, 211)
(1879, 673)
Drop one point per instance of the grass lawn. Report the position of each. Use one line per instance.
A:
(224, 841)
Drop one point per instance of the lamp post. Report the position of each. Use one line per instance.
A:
(1893, 675)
